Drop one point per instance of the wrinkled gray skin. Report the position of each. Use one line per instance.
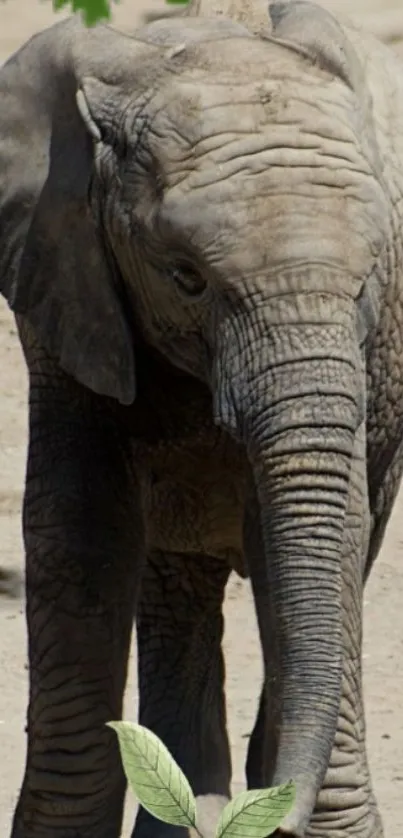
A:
(200, 235)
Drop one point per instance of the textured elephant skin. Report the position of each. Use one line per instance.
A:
(201, 240)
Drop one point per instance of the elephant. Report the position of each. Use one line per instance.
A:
(201, 241)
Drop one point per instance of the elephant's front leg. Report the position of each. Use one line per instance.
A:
(84, 543)
(346, 805)
(181, 677)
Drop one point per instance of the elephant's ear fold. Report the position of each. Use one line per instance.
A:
(58, 270)
(316, 33)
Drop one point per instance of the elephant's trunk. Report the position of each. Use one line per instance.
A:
(291, 390)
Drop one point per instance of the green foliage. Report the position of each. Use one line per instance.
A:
(91, 10)
(154, 776)
(162, 788)
(95, 10)
(256, 814)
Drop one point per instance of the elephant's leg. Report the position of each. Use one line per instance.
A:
(181, 675)
(346, 804)
(84, 543)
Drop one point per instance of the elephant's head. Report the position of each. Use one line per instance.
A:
(219, 195)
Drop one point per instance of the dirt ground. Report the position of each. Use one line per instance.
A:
(383, 654)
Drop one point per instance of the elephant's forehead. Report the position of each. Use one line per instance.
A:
(209, 123)
(242, 93)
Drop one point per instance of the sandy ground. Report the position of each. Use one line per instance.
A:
(383, 601)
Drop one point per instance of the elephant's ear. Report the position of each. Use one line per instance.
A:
(315, 33)
(55, 268)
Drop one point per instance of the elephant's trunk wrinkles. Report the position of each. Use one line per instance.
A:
(291, 389)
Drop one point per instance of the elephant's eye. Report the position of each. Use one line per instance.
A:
(188, 281)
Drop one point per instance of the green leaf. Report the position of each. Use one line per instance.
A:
(95, 10)
(91, 10)
(154, 776)
(256, 814)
